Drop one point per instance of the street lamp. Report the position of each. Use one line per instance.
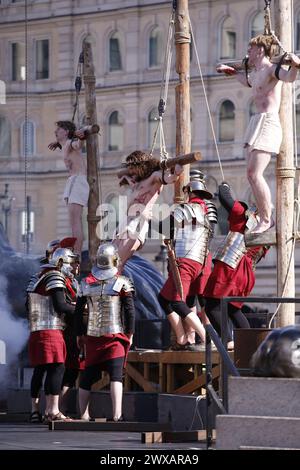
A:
(162, 257)
(6, 206)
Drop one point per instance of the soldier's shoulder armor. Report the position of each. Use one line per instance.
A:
(53, 279)
(87, 288)
(123, 283)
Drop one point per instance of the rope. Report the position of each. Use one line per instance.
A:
(78, 85)
(164, 89)
(25, 135)
(206, 100)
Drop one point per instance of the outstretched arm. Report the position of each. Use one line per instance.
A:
(240, 76)
(290, 75)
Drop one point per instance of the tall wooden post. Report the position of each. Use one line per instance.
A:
(182, 91)
(92, 148)
(285, 176)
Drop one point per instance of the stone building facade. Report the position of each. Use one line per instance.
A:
(128, 39)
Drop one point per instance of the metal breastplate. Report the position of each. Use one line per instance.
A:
(231, 250)
(192, 239)
(104, 309)
(42, 315)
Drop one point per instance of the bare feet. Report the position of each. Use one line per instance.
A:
(263, 226)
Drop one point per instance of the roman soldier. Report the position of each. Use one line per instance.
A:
(110, 327)
(234, 264)
(191, 229)
(49, 307)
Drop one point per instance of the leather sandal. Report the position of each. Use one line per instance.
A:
(59, 417)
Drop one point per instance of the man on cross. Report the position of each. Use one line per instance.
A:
(263, 135)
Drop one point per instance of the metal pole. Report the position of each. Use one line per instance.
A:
(182, 91)
(92, 148)
(27, 234)
(285, 177)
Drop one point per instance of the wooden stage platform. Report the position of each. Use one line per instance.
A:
(156, 371)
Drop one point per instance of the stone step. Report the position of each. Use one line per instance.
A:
(237, 431)
(264, 396)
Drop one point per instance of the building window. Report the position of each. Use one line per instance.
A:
(152, 125)
(228, 39)
(115, 132)
(115, 62)
(18, 61)
(42, 59)
(226, 121)
(155, 48)
(24, 224)
(5, 137)
(28, 139)
(297, 32)
(257, 25)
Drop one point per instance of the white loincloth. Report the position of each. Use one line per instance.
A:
(264, 133)
(77, 190)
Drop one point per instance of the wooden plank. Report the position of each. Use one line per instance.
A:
(260, 239)
(151, 437)
(123, 426)
(173, 357)
(139, 379)
(102, 383)
(196, 383)
(170, 378)
(161, 377)
(146, 371)
(175, 436)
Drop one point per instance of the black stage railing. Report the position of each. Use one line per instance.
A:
(227, 365)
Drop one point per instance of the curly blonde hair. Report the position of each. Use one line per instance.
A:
(268, 42)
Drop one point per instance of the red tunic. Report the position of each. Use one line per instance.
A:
(189, 270)
(101, 349)
(46, 347)
(225, 281)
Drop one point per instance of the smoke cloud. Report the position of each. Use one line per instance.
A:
(13, 333)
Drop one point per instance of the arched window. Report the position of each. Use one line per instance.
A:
(5, 137)
(115, 132)
(28, 138)
(115, 62)
(257, 25)
(152, 125)
(155, 48)
(226, 121)
(228, 39)
(297, 32)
